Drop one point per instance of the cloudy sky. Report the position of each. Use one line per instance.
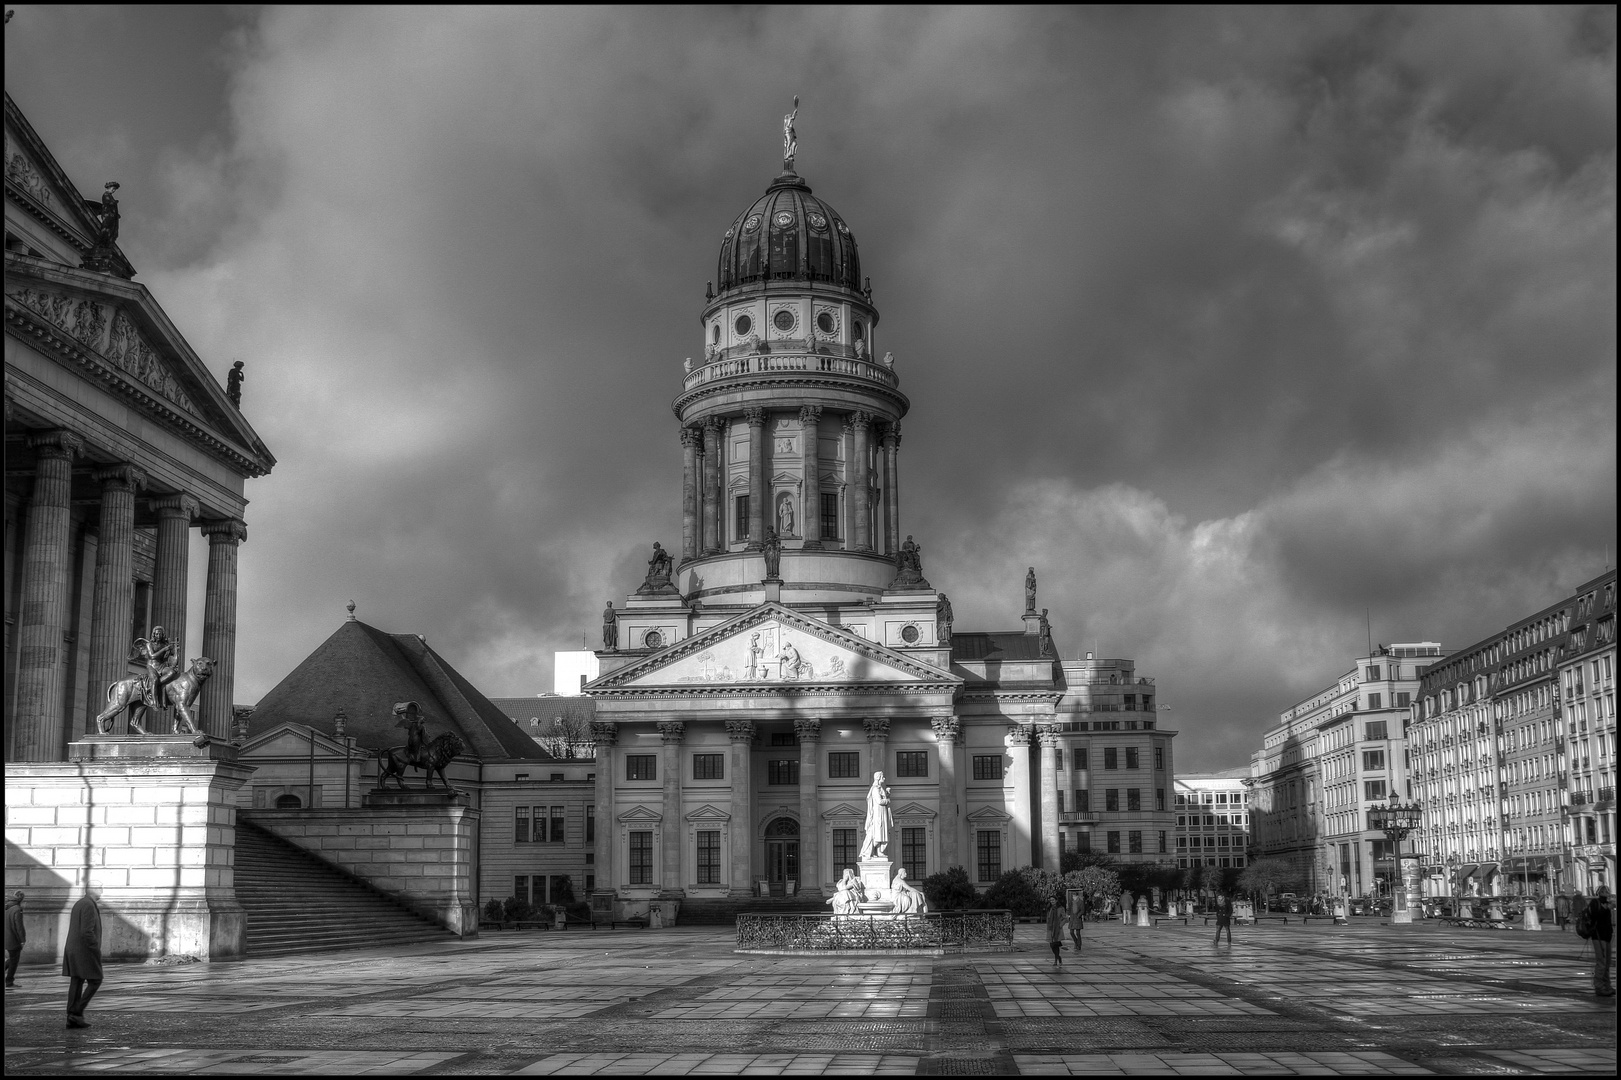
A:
(1237, 325)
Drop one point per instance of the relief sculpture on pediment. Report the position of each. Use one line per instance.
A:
(131, 353)
(21, 172)
(86, 321)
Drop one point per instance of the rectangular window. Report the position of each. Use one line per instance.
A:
(1376, 730)
(556, 885)
(784, 738)
(1373, 759)
(1111, 758)
(520, 824)
(830, 516)
(1131, 703)
(1159, 798)
(709, 766)
(1131, 757)
(1111, 800)
(741, 529)
(709, 857)
(1159, 757)
(1134, 841)
(1080, 759)
(914, 852)
(844, 849)
(520, 887)
(1373, 673)
(641, 766)
(1373, 789)
(1083, 800)
(641, 858)
(1403, 700)
(911, 763)
(987, 766)
(590, 824)
(843, 764)
(782, 771)
(1376, 701)
(1114, 843)
(590, 883)
(1134, 799)
(1060, 802)
(1058, 760)
(1238, 841)
(990, 854)
(1181, 843)
(1083, 843)
(559, 820)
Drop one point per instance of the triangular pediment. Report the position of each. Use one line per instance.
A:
(989, 814)
(641, 815)
(775, 648)
(914, 810)
(844, 810)
(707, 813)
(292, 740)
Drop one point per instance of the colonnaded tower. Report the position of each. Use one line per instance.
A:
(756, 680)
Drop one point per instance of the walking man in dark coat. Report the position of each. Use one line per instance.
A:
(81, 957)
(1599, 917)
(15, 936)
(1224, 918)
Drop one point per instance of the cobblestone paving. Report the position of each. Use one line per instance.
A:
(1360, 1000)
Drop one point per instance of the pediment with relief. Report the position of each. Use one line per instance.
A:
(773, 646)
(109, 332)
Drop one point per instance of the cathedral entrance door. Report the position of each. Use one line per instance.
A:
(782, 854)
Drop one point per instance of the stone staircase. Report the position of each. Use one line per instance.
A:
(296, 903)
(724, 912)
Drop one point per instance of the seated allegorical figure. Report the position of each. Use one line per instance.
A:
(909, 899)
(843, 900)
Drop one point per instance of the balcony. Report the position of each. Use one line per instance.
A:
(1077, 817)
(790, 365)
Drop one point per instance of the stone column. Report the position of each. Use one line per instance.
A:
(113, 610)
(604, 735)
(861, 480)
(741, 733)
(810, 815)
(878, 746)
(37, 724)
(714, 490)
(892, 495)
(671, 734)
(810, 502)
(947, 729)
(1048, 734)
(1018, 747)
(175, 514)
(757, 478)
(690, 439)
(219, 624)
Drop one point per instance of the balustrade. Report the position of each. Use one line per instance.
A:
(793, 363)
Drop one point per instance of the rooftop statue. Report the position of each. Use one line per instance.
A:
(909, 566)
(610, 627)
(1046, 638)
(1030, 592)
(942, 617)
(233, 384)
(880, 820)
(790, 141)
(107, 215)
(659, 569)
(772, 549)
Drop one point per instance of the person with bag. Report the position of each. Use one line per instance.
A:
(1055, 929)
(1595, 925)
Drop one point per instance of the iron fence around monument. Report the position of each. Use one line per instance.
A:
(860, 933)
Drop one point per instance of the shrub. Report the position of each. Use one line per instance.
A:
(1096, 882)
(579, 910)
(1026, 891)
(494, 910)
(563, 891)
(950, 890)
(516, 909)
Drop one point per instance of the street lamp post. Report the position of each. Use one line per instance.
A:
(1396, 821)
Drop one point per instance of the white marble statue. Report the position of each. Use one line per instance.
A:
(853, 884)
(875, 834)
(908, 898)
(844, 899)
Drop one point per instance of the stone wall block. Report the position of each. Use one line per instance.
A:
(422, 856)
(131, 815)
(51, 836)
(373, 842)
(362, 829)
(153, 835)
(111, 835)
(17, 816)
(423, 828)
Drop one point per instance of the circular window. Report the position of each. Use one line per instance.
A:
(752, 223)
(743, 325)
(909, 634)
(817, 221)
(729, 233)
(653, 640)
(825, 323)
(842, 227)
(783, 319)
(783, 219)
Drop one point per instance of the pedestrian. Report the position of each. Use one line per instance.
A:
(1224, 918)
(1561, 910)
(16, 934)
(1077, 918)
(81, 957)
(1055, 929)
(1600, 927)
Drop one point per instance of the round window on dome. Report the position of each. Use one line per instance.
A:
(783, 319)
(752, 223)
(817, 221)
(743, 325)
(825, 323)
(783, 219)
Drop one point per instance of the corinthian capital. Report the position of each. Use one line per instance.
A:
(755, 417)
(810, 414)
(740, 730)
(56, 444)
(121, 476)
(176, 506)
(808, 730)
(946, 728)
(1048, 734)
(892, 434)
(691, 436)
(876, 729)
(604, 733)
(713, 423)
(1018, 735)
(224, 530)
(861, 421)
(672, 731)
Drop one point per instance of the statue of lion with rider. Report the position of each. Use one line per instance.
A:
(164, 685)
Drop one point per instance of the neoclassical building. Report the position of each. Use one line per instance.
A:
(119, 443)
(759, 677)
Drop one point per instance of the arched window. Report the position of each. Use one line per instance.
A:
(783, 826)
(288, 802)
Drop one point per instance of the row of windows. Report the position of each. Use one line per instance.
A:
(1211, 820)
(1236, 840)
(1111, 758)
(549, 888)
(546, 824)
(828, 523)
(1210, 860)
(1111, 800)
(914, 853)
(1218, 798)
(841, 765)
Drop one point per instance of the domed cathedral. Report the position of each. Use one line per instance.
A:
(755, 682)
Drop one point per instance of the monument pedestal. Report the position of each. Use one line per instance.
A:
(875, 877)
(151, 821)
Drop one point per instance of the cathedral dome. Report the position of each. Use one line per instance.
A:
(788, 234)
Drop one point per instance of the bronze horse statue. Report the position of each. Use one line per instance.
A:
(420, 752)
(135, 695)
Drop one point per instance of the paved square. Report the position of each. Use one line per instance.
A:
(1359, 1000)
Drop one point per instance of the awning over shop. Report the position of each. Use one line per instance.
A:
(1466, 871)
(1486, 870)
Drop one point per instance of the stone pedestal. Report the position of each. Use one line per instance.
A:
(773, 590)
(152, 822)
(875, 878)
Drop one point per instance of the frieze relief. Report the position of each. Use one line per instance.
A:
(86, 321)
(21, 172)
(772, 654)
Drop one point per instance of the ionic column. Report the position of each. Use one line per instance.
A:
(1050, 857)
(741, 732)
(878, 744)
(861, 423)
(225, 535)
(714, 508)
(37, 725)
(175, 514)
(892, 494)
(1018, 745)
(690, 439)
(810, 502)
(113, 603)
(757, 478)
(947, 729)
(810, 818)
(671, 733)
(604, 735)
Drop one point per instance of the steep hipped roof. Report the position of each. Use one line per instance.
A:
(575, 710)
(364, 671)
(1006, 645)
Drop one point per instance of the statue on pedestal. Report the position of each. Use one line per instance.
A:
(163, 686)
(875, 833)
(1030, 592)
(772, 549)
(1046, 638)
(659, 569)
(909, 566)
(908, 898)
(785, 517)
(942, 618)
(844, 898)
(610, 627)
(431, 756)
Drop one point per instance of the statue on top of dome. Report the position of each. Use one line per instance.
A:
(790, 141)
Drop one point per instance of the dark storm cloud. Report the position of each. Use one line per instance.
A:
(1236, 323)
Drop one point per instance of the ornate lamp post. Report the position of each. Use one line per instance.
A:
(1396, 821)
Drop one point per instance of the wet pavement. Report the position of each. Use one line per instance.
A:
(1284, 999)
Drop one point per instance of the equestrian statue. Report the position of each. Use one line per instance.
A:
(163, 686)
(419, 752)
